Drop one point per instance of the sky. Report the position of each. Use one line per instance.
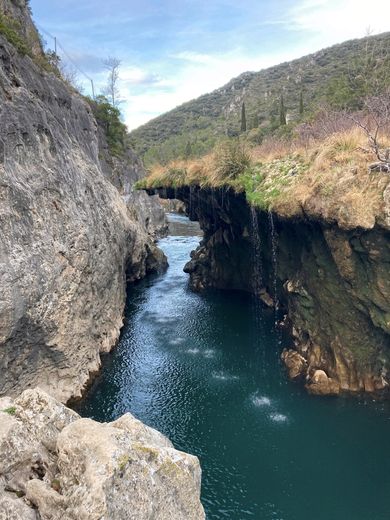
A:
(172, 51)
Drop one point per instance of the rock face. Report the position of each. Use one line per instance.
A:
(332, 283)
(55, 465)
(174, 206)
(67, 240)
(123, 173)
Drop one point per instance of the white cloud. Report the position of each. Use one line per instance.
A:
(194, 57)
(332, 21)
(137, 76)
(322, 22)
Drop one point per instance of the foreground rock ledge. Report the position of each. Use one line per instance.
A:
(56, 465)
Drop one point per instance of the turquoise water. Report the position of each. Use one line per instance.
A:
(204, 371)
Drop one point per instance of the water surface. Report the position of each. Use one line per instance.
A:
(205, 372)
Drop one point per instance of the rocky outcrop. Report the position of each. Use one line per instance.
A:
(123, 172)
(173, 206)
(331, 282)
(54, 465)
(67, 240)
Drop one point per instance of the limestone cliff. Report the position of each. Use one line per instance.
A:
(123, 173)
(67, 239)
(54, 465)
(332, 282)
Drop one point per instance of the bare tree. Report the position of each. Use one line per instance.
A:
(71, 75)
(111, 90)
(375, 123)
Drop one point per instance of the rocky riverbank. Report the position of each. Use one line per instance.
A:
(57, 466)
(330, 281)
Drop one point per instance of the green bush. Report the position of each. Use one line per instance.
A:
(10, 29)
(108, 117)
(11, 410)
(232, 158)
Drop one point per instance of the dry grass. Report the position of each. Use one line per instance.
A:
(327, 177)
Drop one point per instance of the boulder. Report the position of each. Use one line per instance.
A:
(56, 465)
(321, 384)
(294, 362)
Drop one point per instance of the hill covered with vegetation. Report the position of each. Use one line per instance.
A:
(258, 104)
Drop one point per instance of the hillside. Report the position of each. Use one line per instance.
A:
(193, 128)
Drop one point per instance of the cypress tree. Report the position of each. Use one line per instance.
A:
(188, 150)
(282, 111)
(243, 118)
(301, 108)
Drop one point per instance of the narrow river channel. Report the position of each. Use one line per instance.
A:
(205, 371)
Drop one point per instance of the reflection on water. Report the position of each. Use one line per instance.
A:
(190, 366)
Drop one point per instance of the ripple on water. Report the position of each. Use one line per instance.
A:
(193, 351)
(260, 400)
(176, 341)
(224, 376)
(165, 319)
(278, 417)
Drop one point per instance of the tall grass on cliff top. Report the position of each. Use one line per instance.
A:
(323, 168)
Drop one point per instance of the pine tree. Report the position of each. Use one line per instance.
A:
(243, 118)
(282, 111)
(301, 108)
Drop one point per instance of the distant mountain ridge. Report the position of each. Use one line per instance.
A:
(195, 126)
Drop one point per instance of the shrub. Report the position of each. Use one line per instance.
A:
(11, 410)
(10, 29)
(108, 117)
(231, 159)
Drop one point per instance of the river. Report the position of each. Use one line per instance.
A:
(205, 371)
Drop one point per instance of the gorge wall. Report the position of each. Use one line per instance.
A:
(68, 240)
(332, 284)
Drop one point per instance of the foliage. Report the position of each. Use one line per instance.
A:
(11, 410)
(367, 75)
(282, 112)
(108, 117)
(323, 76)
(301, 106)
(10, 29)
(331, 172)
(243, 118)
(232, 158)
(13, 31)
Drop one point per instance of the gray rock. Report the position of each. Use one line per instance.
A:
(67, 239)
(79, 469)
(123, 173)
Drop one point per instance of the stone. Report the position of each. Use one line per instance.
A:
(15, 508)
(266, 298)
(83, 470)
(295, 363)
(321, 384)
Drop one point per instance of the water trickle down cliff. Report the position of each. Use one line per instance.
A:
(331, 281)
